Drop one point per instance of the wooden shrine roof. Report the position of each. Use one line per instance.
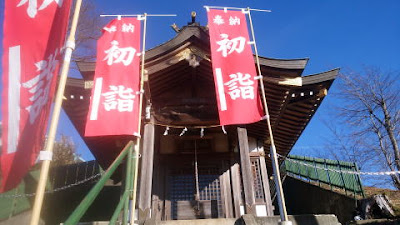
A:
(182, 93)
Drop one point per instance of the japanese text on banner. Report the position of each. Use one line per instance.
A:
(114, 105)
(234, 68)
(34, 34)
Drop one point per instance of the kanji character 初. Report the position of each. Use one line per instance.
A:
(116, 54)
(234, 21)
(39, 86)
(240, 86)
(110, 29)
(218, 20)
(128, 28)
(227, 46)
(33, 9)
(119, 98)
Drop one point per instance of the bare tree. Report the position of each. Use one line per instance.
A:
(87, 33)
(346, 145)
(64, 152)
(341, 147)
(370, 114)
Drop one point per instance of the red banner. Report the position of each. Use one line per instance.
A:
(34, 34)
(234, 68)
(114, 106)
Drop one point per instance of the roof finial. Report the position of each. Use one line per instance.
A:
(175, 28)
(193, 14)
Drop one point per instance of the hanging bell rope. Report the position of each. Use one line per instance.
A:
(196, 173)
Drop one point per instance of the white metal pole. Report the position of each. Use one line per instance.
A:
(44, 172)
(275, 165)
(236, 8)
(133, 15)
(137, 145)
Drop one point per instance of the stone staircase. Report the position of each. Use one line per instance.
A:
(245, 220)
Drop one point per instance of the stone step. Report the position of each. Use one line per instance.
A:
(94, 223)
(253, 220)
(327, 219)
(97, 223)
(244, 220)
(221, 221)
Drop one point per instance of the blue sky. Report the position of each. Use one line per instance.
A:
(340, 33)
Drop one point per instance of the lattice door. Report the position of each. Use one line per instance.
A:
(183, 189)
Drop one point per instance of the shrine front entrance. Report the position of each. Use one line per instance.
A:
(191, 181)
(195, 195)
(203, 177)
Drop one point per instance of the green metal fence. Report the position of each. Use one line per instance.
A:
(337, 175)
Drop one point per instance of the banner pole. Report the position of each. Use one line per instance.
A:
(236, 8)
(137, 145)
(44, 172)
(132, 15)
(275, 165)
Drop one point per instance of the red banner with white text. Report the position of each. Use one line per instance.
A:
(33, 40)
(114, 106)
(234, 68)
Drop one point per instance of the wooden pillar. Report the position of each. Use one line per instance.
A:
(146, 172)
(157, 189)
(265, 181)
(226, 192)
(236, 189)
(247, 175)
(157, 204)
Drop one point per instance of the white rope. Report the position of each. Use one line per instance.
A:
(196, 173)
(202, 128)
(166, 131)
(183, 132)
(181, 127)
(223, 129)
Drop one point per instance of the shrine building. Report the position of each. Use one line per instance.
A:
(205, 170)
